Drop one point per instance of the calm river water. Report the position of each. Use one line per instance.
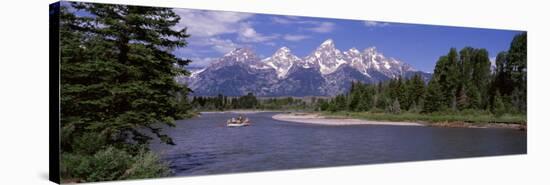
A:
(205, 146)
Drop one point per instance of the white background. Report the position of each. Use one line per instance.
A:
(24, 91)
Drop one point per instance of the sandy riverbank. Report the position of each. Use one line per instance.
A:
(313, 118)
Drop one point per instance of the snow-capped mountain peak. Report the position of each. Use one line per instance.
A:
(355, 57)
(354, 51)
(241, 55)
(283, 49)
(324, 72)
(327, 42)
(326, 57)
(282, 60)
(371, 50)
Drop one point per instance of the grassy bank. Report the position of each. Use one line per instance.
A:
(470, 117)
(251, 110)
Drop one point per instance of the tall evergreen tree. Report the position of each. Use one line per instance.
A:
(435, 100)
(117, 74)
(481, 76)
(502, 80)
(462, 100)
(446, 73)
(517, 65)
(416, 89)
(517, 60)
(498, 105)
(510, 78)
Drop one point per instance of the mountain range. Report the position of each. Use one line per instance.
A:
(327, 71)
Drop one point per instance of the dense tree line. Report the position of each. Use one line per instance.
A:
(510, 80)
(249, 101)
(117, 88)
(222, 102)
(391, 96)
(461, 80)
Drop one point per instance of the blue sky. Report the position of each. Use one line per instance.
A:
(215, 33)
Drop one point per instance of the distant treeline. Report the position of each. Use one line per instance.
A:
(461, 80)
(249, 101)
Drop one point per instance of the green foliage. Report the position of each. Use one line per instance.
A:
(464, 78)
(146, 165)
(395, 107)
(340, 102)
(446, 73)
(414, 108)
(88, 143)
(462, 99)
(249, 101)
(222, 102)
(118, 89)
(511, 73)
(435, 100)
(464, 116)
(498, 105)
(416, 90)
(117, 76)
(111, 164)
(324, 106)
(395, 96)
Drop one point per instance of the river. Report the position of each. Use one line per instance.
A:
(205, 146)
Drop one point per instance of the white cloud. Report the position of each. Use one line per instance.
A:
(200, 46)
(314, 26)
(323, 27)
(201, 23)
(249, 34)
(375, 24)
(292, 20)
(290, 37)
(221, 45)
(201, 62)
(281, 20)
(208, 27)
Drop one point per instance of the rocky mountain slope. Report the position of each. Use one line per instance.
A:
(327, 71)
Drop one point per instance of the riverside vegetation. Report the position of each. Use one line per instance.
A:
(118, 89)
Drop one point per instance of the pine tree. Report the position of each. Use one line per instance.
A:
(517, 60)
(503, 77)
(219, 102)
(498, 105)
(416, 89)
(481, 76)
(395, 108)
(474, 98)
(517, 65)
(434, 100)
(462, 99)
(117, 72)
(414, 108)
(355, 96)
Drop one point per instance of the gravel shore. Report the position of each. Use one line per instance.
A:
(313, 118)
